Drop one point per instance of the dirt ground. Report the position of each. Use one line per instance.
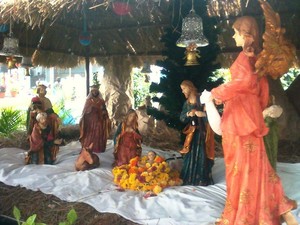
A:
(51, 210)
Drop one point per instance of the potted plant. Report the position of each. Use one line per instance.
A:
(2, 91)
(14, 91)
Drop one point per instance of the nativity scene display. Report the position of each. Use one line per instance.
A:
(133, 115)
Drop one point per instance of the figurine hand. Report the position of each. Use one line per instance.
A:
(192, 113)
(200, 114)
(58, 141)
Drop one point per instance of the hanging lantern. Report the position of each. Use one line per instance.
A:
(192, 31)
(191, 55)
(146, 68)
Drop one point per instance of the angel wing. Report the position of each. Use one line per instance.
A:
(278, 54)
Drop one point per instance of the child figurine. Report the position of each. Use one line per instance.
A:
(150, 159)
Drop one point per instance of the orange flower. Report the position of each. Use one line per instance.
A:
(159, 159)
(133, 170)
(134, 161)
(141, 169)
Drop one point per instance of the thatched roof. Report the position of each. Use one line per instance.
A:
(51, 28)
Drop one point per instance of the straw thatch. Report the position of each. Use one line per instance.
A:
(51, 29)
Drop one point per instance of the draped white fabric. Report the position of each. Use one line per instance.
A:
(184, 205)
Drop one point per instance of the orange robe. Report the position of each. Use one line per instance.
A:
(254, 191)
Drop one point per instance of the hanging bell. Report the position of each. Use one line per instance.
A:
(26, 63)
(27, 74)
(191, 57)
(10, 46)
(192, 31)
(146, 68)
(11, 63)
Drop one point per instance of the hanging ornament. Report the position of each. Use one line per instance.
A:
(3, 28)
(10, 44)
(121, 8)
(191, 55)
(26, 63)
(192, 31)
(85, 37)
(11, 62)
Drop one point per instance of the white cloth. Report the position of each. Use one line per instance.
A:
(184, 205)
(212, 113)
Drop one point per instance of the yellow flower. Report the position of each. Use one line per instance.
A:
(157, 189)
(146, 178)
(132, 178)
(149, 178)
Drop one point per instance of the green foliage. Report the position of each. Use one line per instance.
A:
(71, 218)
(221, 74)
(30, 220)
(141, 88)
(63, 113)
(95, 79)
(289, 77)
(11, 120)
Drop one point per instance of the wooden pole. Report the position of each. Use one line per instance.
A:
(87, 69)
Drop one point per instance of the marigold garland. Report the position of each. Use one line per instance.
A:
(150, 177)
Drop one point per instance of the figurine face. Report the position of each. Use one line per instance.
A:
(42, 91)
(186, 91)
(95, 92)
(43, 120)
(151, 156)
(131, 118)
(239, 40)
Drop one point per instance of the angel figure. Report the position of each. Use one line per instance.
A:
(254, 191)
